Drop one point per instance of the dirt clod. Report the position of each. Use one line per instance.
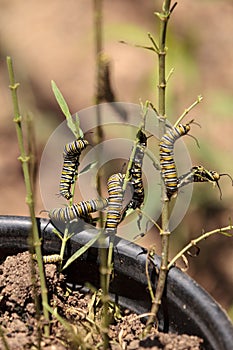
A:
(22, 327)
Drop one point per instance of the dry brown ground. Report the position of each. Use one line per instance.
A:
(20, 324)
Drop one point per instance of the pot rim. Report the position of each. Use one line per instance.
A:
(184, 298)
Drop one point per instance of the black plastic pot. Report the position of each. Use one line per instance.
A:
(186, 307)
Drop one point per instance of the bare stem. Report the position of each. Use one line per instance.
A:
(149, 218)
(187, 110)
(195, 241)
(105, 254)
(24, 159)
(164, 16)
(31, 148)
(150, 288)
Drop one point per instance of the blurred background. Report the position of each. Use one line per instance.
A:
(55, 40)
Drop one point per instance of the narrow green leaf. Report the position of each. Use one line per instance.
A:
(73, 126)
(87, 168)
(77, 124)
(60, 100)
(81, 251)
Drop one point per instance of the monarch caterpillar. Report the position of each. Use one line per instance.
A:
(71, 156)
(115, 202)
(199, 174)
(78, 210)
(49, 259)
(136, 173)
(166, 153)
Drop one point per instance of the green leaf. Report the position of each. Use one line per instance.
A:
(73, 126)
(77, 125)
(87, 168)
(60, 100)
(81, 251)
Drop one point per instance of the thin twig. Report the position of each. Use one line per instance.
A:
(165, 234)
(149, 218)
(105, 254)
(31, 144)
(24, 158)
(187, 110)
(148, 278)
(195, 241)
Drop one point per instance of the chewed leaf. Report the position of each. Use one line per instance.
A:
(87, 168)
(73, 126)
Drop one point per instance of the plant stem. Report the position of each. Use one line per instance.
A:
(31, 149)
(165, 234)
(29, 193)
(164, 15)
(105, 254)
(64, 240)
(187, 110)
(195, 241)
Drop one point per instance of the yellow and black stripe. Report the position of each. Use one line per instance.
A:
(166, 152)
(115, 202)
(71, 154)
(199, 174)
(136, 173)
(49, 259)
(78, 210)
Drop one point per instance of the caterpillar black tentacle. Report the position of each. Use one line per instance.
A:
(199, 174)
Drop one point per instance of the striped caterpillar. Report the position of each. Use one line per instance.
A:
(199, 174)
(115, 202)
(78, 210)
(71, 154)
(166, 153)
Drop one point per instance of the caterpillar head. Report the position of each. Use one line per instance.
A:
(142, 138)
(186, 127)
(215, 175)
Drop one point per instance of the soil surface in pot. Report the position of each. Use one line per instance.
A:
(20, 327)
